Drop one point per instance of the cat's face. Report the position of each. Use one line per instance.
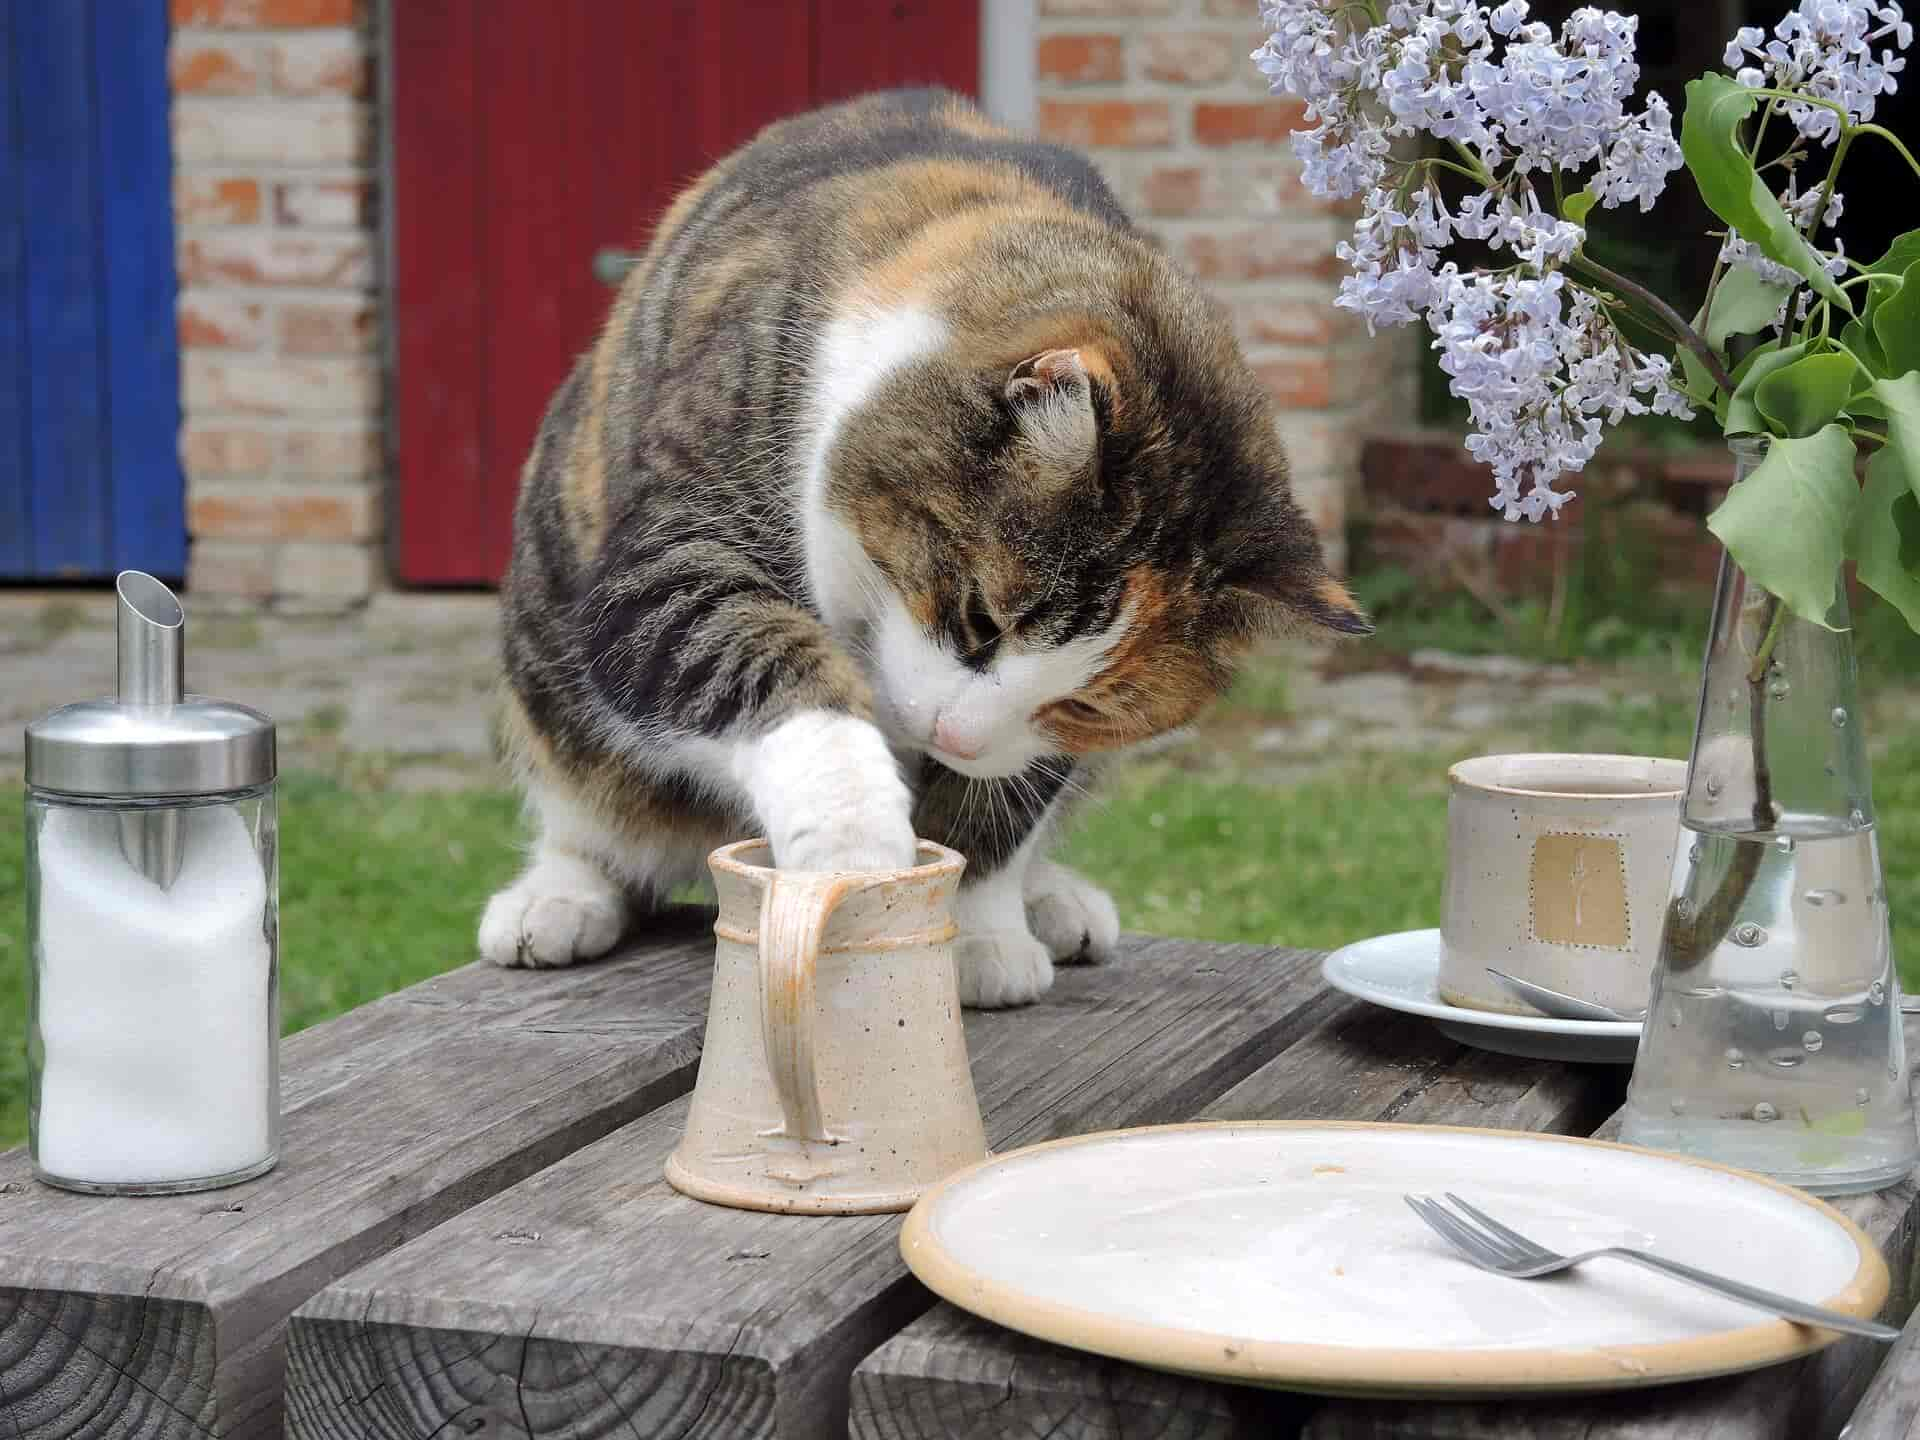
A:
(1061, 554)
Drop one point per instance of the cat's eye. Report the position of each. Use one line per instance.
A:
(982, 628)
(1081, 711)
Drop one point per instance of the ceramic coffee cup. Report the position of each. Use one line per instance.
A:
(834, 1076)
(1557, 871)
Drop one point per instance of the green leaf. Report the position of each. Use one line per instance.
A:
(1700, 386)
(1896, 323)
(1710, 140)
(1887, 270)
(1576, 206)
(1787, 523)
(1860, 340)
(1899, 397)
(1742, 304)
(1811, 392)
(1885, 538)
(1904, 250)
(1742, 417)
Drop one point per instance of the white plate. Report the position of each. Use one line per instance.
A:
(1281, 1253)
(1402, 972)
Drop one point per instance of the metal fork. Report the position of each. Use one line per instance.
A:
(1492, 1246)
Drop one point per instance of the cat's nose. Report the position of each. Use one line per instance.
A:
(951, 740)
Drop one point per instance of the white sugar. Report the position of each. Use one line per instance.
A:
(154, 1005)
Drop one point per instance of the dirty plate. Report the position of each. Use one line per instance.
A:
(1283, 1254)
(1402, 972)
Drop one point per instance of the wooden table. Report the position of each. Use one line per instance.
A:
(469, 1235)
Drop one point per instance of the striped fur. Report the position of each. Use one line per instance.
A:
(901, 451)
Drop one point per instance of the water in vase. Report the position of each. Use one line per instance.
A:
(1792, 1061)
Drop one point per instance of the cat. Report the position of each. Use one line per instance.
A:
(905, 481)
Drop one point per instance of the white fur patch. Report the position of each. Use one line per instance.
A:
(923, 682)
(828, 794)
(857, 353)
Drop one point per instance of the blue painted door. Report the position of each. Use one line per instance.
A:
(90, 479)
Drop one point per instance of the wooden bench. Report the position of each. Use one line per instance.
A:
(469, 1235)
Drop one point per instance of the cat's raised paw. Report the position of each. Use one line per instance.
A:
(1001, 968)
(1073, 917)
(560, 911)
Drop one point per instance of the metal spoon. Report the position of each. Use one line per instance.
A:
(1561, 1007)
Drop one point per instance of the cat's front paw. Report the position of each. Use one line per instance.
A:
(1070, 915)
(1001, 968)
(830, 794)
(562, 910)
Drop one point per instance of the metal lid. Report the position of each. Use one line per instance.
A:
(153, 739)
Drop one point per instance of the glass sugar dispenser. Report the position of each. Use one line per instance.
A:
(152, 923)
(1773, 1039)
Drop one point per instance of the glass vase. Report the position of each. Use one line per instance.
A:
(1773, 1040)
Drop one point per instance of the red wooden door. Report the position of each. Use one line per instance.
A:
(528, 135)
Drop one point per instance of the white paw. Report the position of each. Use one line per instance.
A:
(1070, 915)
(562, 910)
(829, 792)
(998, 968)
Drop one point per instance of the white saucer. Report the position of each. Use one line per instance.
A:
(1402, 972)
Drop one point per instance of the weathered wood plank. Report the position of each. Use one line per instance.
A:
(1890, 1410)
(166, 1317)
(952, 1376)
(1803, 1400)
(593, 1300)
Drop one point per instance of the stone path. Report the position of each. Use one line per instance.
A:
(405, 685)
(401, 693)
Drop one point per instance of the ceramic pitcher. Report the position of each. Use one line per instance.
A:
(834, 1077)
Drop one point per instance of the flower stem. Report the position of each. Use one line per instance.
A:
(1893, 140)
(1690, 938)
(1689, 337)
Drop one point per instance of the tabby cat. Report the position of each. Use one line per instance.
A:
(906, 479)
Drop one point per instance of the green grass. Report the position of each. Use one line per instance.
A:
(380, 889)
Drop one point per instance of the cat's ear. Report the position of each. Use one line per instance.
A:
(1052, 398)
(1319, 598)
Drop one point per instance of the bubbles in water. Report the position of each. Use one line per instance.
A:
(1811, 1042)
(1784, 844)
(1839, 717)
(1779, 1019)
(1683, 908)
(1843, 1015)
(1788, 979)
(1861, 1097)
(1786, 1059)
(1877, 993)
(1714, 787)
(1817, 898)
(1734, 1058)
(1677, 1105)
(1697, 851)
(1749, 934)
(1778, 688)
(1763, 1112)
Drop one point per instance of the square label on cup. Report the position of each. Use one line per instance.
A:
(1577, 891)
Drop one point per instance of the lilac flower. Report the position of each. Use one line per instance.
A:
(1825, 47)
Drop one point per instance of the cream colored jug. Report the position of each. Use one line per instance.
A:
(834, 1078)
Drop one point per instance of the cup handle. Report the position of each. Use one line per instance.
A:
(793, 919)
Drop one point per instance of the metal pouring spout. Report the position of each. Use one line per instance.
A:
(152, 672)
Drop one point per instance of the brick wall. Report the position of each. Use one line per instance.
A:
(278, 251)
(273, 133)
(1161, 92)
